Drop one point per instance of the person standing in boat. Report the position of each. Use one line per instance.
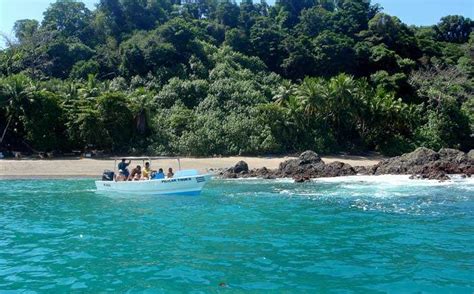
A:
(124, 167)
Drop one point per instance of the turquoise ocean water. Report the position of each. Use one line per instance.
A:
(367, 235)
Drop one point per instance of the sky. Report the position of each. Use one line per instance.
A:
(412, 12)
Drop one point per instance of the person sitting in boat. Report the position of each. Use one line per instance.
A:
(136, 174)
(170, 173)
(146, 172)
(121, 176)
(160, 174)
(124, 167)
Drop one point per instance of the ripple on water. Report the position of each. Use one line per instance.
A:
(358, 234)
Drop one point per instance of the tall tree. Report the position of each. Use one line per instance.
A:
(25, 29)
(293, 8)
(454, 28)
(227, 13)
(69, 17)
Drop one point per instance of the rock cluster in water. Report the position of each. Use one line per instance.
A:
(308, 165)
(423, 163)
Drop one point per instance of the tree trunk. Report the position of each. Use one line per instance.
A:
(5, 130)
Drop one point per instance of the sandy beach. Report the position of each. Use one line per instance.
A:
(86, 167)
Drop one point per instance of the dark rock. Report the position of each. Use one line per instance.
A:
(452, 155)
(230, 175)
(295, 167)
(309, 157)
(409, 163)
(421, 155)
(362, 170)
(308, 163)
(263, 172)
(338, 169)
(423, 163)
(470, 154)
(301, 179)
(241, 167)
(440, 176)
(467, 168)
(289, 166)
(426, 162)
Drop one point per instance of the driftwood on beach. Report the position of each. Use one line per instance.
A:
(423, 163)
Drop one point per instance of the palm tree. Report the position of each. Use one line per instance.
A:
(342, 102)
(331, 103)
(284, 92)
(312, 94)
(15, 93)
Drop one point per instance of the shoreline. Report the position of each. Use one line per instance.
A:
(63, 168)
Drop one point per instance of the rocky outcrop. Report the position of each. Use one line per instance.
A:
(423, 163)
(440, 176)
(307, 166)
(409, 163)
(470, 154)
(263, 173)
(428, 164)
(452, 155)
(362, 170)
(240, 167)
(338, 169)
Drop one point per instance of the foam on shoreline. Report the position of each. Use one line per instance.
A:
(392, 180)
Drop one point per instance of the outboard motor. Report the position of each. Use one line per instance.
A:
(108, 175)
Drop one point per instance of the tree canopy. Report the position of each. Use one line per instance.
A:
(207, 77)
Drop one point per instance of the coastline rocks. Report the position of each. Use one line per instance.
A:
(470, 154)
(338, 169)
(308, 164)
(300, 179)
(263, 173)
(452, 155)
(423, 163)
(362, 170)
(409, 163)
(440, 176)
(240, 167)
(309, 157)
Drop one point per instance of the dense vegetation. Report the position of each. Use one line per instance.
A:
(206, 77)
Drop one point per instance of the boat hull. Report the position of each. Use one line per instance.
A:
(190, 185)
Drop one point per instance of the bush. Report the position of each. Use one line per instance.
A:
(82, 69)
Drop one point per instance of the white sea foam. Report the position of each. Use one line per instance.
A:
(391, 180)
(257, 180)
(396, 180)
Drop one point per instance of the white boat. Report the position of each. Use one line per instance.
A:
(184, 182)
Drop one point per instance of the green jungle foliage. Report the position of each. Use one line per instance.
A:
(205, 77)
